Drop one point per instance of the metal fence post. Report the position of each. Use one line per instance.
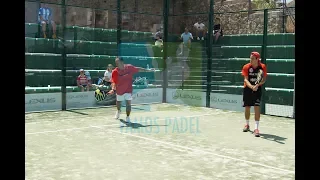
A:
(294, 96)
(63, 58)
(119, 28)
(209, 58)
(165, 50)
(264, 56)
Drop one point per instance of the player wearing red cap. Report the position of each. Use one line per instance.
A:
(252, 91)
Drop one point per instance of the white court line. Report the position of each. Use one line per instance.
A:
(69, 129)
(203, 151)
(87, 127)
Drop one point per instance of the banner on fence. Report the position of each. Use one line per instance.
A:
(186, 97)
(80, 99)
(231, 102)
(153, 95)
(42, 101)
(52, 101)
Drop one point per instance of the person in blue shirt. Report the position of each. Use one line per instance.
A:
(186, 41)
(44, 18)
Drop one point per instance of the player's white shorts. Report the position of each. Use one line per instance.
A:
(125, 96)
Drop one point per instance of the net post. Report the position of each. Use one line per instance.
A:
(264, 56)
(165, 50)
(119, 22)
(209, 58)
(63, 58)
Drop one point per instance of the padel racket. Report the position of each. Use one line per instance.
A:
(259, 77)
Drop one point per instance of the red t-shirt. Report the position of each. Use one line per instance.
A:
(251, 72)
(82, 80)
(123, 78)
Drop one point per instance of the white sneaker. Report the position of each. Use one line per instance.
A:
(202, 38)
(117, 115)
(128, 119)
(198, 38)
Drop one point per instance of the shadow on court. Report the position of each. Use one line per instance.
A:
(274, 138)
(81, 113)
(136, 125)
(271, 137)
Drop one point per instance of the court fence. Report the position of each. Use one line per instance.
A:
(208, 73)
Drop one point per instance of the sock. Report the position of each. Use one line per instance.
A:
(247, 122)
(257, 124)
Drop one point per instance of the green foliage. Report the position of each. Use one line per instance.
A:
(264, 4)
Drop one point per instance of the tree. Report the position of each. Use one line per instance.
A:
(262, 4)
(265, 4)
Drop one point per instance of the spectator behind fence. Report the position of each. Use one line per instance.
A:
(83, 81)
(186, 41)
(200, 29)
(107, 75)
(44, 18)
(217, 30)
(159, 43)
(158, 35)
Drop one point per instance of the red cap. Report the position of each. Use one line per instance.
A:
(256, 54)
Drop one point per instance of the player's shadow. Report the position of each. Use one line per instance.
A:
(81, 113)
(275, 138)
(136, 125)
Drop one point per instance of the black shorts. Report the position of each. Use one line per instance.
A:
(251, 98)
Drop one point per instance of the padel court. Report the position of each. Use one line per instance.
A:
(164, 141)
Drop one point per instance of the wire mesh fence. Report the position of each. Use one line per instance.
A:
(198, 51)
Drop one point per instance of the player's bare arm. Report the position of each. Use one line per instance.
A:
(113, 88)
(264, 68)
(248, 84)
(145, 70)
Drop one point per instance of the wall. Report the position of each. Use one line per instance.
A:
(237, 23)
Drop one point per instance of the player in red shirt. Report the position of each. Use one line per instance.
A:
(252, 91)
(121, 79)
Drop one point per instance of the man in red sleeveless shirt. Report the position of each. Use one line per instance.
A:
(121, 79)
(252, 91)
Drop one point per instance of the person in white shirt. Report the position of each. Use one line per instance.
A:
(186, 41)
(107, 74)
(159, 43)
(200, 29)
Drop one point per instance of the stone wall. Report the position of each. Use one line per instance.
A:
(105, 16)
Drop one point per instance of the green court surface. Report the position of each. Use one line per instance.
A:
(164, 141)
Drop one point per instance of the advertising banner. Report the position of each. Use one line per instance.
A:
(151, 95)
(42, 101)
(186, 97)
(231, 102)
